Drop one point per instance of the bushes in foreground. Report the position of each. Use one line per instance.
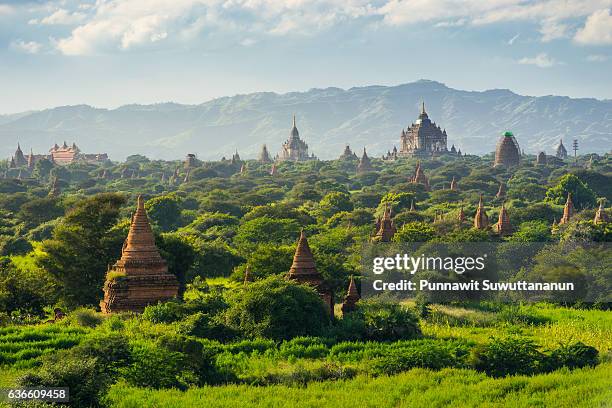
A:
(515, 355)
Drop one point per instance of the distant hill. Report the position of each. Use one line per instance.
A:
(327, 119)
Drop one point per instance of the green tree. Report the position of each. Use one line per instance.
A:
(165, 211)
(267, 230)
(582, 195)
(335, 202)
(82, 246)
(40, 210)
(532, 231)
(276, 308)
(415, 232)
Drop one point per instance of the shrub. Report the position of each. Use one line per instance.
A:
(154, 367)
(509, 356)
(276, 308)
(576, 355)
(164, 312)
(425, 355)
(206, 326)
(86, 317)
(386, 320)
(80, 374)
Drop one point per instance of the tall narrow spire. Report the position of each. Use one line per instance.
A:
(600, 215)
(351, 298)
(501, 192)
(568, 210)
(140, 242)
(503, 226)
(453, 184)
(481, 221)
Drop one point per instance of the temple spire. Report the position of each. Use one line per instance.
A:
(480, 219)
(351, 298)
(140, 242)
(503, 226)
(600, 215)
(568, 210)
(453, 184)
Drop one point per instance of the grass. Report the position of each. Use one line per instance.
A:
(415, 388)
(22, 346)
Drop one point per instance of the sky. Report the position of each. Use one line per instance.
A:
(108, 53)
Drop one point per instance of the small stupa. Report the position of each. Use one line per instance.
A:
(264, 155)
(453, 184)
(419, 177)
(501, 192)
(364, 164)
(385, 229)
(503, 226)
(352, 297)
(481, 221)
(304, 271)
(143, 274)
(601, 216)
(568, 210)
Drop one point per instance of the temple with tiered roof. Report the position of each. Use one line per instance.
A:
(423, 138)
(141, 276)
(294, 148)
(349, 303)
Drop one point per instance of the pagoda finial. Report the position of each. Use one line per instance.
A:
(422, 107)
(140, 202)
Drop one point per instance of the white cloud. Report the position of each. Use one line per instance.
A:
(597, 30)
(28, 47)
(551, 29)
(597, 58)
(112, 25)
(60, 17)
(541, 60)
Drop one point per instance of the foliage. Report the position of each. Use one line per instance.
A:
(276, 308)
(582, 195)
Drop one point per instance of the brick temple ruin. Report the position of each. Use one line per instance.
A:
(141, 276)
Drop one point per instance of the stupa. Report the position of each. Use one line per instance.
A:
(503, 226)
(568, 210)
(385, 230)
(351, 298)
(481, 221)
(507, 152)
(304, 271)
(143, 278)
(364, 164)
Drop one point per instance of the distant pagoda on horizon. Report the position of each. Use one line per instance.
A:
(141, 275)
(294, 148)
(423, 138)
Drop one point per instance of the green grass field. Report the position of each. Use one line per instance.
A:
(415, 388)
(276, 376)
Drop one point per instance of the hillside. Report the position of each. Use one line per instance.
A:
(371, 116)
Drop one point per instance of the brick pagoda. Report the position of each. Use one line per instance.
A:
(145, 279)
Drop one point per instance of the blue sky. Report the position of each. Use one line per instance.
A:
(107, 53)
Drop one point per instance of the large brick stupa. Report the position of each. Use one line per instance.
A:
(141, 276)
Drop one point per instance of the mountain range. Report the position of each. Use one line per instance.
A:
(328, 119)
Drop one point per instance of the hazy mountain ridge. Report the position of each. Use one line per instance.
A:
(371, 116)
